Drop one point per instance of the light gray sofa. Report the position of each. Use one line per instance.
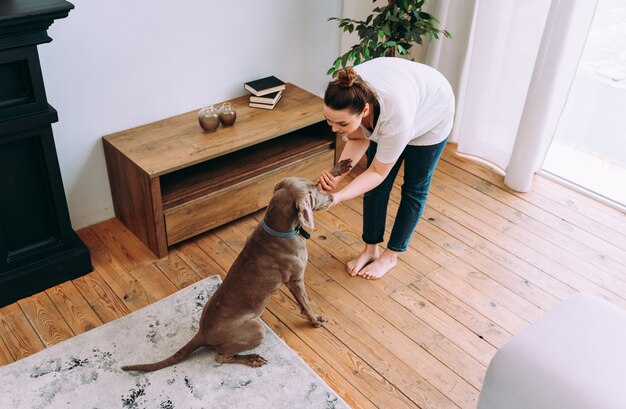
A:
(574, 357)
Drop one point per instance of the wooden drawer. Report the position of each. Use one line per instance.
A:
(245, 197)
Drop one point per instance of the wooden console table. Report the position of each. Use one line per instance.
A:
(171, 181)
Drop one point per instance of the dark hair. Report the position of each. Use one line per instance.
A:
(348, 91)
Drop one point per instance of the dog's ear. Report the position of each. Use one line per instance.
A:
(304, 204)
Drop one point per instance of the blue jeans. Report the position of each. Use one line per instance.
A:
(419, 167)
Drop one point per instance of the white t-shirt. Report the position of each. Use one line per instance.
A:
(416, 105)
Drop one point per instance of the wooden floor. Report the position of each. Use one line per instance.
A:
(483, 264)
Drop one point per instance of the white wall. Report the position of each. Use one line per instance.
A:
(117, 64)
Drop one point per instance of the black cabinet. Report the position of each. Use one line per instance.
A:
(38, 248)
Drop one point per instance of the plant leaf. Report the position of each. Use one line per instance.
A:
(391, 29)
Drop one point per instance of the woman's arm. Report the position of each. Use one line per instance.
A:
(354, 149)
(366, 181)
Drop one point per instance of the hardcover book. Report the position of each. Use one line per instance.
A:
(265, 106)
(264, 86)
(267, 99)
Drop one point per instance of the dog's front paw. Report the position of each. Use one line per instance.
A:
(318, 321)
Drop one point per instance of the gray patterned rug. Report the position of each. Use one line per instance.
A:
(83, 372)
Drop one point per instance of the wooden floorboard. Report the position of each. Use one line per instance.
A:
(74, 308)
(483, 264)
(45, 319)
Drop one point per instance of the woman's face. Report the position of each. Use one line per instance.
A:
(344, 122)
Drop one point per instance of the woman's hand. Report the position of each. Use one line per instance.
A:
(328, 182)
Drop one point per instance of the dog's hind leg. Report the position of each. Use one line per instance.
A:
(297, 289)
(196, 342)
(253, 360)
(248, 336)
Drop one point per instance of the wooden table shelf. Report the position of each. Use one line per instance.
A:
(171, 181)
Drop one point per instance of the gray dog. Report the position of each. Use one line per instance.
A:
(274, 254)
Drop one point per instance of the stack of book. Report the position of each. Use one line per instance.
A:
(266, 92)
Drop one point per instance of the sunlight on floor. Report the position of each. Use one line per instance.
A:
(588, 170)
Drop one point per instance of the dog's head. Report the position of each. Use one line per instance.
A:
(306, 197)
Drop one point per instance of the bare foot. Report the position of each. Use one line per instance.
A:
(380, 266)
(369, 254)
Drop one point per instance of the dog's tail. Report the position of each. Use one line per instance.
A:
(196, 342)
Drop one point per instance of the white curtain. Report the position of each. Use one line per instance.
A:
(511, 63)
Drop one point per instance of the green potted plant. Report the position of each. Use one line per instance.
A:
(389, 31)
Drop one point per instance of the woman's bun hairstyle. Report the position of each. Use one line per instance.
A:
(346, 77)
(348, 91)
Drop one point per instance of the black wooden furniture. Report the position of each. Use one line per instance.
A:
(38, 248)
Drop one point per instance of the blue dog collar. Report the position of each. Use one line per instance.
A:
(285, 235)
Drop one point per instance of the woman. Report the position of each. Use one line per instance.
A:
(397, 111)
